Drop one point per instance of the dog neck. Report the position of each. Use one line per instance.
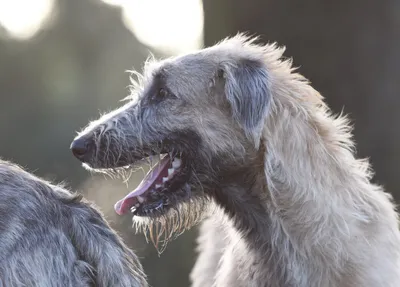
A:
(300, 205)
(242, 199)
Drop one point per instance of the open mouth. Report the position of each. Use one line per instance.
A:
(159, 190)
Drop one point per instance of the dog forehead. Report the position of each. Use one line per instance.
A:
(190, 73)
(194, 65)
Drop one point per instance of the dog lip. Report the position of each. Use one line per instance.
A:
(159, 202)
(155, 179)
(123, 205)
(143, 153)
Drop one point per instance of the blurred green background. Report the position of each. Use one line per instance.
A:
(62, 62)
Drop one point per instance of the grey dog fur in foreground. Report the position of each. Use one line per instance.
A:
(52, 238)
(292, 205)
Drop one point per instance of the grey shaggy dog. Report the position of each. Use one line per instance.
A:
(52, 238)
(253, 147)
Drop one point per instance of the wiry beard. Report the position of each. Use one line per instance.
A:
(181, 217)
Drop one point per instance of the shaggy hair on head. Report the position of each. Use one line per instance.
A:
(52, 238)
(246, 135)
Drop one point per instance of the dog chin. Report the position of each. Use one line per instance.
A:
(162, 226)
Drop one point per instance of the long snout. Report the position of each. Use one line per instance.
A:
(112, 141)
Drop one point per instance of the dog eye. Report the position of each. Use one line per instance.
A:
(159, 96)
(163, 93)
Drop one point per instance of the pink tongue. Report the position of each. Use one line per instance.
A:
(153, 176)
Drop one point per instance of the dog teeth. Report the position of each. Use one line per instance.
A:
(140, 199)
(164, 179)
(176, 163)
(158, 186)
(170, 171)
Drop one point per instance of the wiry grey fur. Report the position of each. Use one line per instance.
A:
(293, 206)
(52, 238)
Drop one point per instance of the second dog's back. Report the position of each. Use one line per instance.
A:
(50, 237)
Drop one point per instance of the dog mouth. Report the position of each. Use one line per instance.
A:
(160, 189)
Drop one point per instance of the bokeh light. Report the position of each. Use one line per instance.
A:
(22, 19)
(174, 25)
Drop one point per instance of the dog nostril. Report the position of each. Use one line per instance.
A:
(80, 147)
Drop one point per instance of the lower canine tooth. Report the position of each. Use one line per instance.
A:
(170, 171)
(164, 179)
(176, 163)
(158, 186)
(141, 199)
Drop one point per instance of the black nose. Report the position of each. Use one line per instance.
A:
(81, 148)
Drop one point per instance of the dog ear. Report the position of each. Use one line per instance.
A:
(247, 91)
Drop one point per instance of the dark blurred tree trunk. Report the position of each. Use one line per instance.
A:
(350, 50)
